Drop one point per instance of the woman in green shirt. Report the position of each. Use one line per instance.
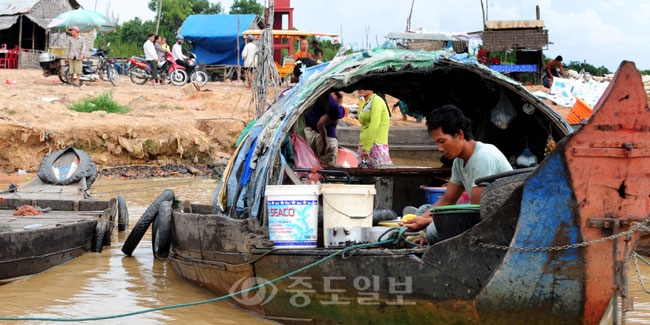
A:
(375, 121)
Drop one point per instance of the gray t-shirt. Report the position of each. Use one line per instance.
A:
(77, 48)
(486, 160)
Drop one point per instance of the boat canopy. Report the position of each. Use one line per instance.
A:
(424, 80)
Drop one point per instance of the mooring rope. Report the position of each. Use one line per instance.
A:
(394, 239)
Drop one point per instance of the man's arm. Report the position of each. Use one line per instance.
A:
(450, 197)
(322, 122)
(475, 196)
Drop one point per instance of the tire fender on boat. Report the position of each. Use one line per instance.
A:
(497, 192)
(122, 214)
(100, 232)
(86, 168)
(161, 235)
(142, 225)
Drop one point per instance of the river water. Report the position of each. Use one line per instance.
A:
(110, 283)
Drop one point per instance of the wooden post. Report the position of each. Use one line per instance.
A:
(20, 39)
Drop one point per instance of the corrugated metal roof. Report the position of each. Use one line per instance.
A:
(510, 24)
(13, 7)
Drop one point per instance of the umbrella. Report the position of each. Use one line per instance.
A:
(86, 20)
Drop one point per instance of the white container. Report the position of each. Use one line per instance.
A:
(293, 215)
(347, 206)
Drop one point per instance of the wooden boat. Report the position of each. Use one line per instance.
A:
(54, 219)
(555, 250)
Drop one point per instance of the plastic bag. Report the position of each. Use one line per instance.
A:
(304, 156)
(503, 112)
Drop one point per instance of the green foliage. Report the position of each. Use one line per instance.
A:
(645, 72)
(174, 13)
(103, 102)
(579, 66)
(246, 7)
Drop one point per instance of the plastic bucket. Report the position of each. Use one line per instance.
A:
(293, 215)
(432, 194)
(347, 206)
(452, 220)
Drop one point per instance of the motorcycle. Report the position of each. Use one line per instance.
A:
(140, 71)
(198, 74)
(104, 71)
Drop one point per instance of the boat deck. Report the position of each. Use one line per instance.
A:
(61, 212)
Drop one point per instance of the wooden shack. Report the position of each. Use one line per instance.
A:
(23, 24)
(527, 37)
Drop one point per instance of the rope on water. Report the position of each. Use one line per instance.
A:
(392, 240)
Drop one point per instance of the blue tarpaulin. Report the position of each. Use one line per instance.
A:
(214, 37)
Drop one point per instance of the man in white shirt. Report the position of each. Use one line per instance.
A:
(151, 56)
(451, 130)
(177, 53)
(250, 59)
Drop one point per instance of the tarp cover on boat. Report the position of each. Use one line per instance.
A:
(425, 79)
(214, 37)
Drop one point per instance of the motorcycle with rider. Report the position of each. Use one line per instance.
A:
(195, 72)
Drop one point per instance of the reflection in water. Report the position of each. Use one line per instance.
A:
(110, 283)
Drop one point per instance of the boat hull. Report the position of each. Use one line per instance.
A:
(556, 251)
(33, 244)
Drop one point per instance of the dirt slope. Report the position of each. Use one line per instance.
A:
(163, 127)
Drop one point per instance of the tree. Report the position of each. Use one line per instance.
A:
(246, 7)
(174, 13)
(578, 66)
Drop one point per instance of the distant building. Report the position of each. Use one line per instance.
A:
(24, 24)
(527, 37)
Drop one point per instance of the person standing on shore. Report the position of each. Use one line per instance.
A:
(162, 54)
(76, 50)
(250, 60)
(151, 57)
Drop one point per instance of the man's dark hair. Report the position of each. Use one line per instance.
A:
(558, 58)
(450, 119)
(151, 34)
(302, 62)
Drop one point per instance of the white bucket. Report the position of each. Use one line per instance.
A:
(293, 215)
(347, 206)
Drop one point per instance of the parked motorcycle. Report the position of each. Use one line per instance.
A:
(140, 71)
(104, 71)
(198, 74)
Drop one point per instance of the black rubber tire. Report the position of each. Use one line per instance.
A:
(135, 79)
(178, 77)
(495, 194)
(62, 77)
(122, 214)
(86, 168)
(484, 181)
(100, 233)
(112, 75)
(142, 225)
(161, 235)
(199, 76)
(111, 222)
(67, 76)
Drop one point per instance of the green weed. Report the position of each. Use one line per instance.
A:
(103, 102)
